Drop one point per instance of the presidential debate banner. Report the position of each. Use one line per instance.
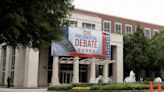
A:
(83, 43)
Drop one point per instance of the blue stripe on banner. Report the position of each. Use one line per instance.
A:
(108, 47)
(66, 32)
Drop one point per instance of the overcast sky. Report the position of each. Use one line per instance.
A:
(151, 11)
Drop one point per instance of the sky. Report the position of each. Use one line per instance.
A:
(151, 11)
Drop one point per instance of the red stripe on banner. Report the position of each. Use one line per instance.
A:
(104, 45)
(85, 55)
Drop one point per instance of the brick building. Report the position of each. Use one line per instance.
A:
(31, 68)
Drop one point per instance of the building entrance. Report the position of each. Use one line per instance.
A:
(66, 73)
(66, 76)
(83, 73)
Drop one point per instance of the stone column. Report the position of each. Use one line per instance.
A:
(43, 67)
(105, 72)
(76, 71)
(118, 65)
(92, 73)
(19, 66)
(1, 66)
(31, 68)
(55, 71)
(8, 63)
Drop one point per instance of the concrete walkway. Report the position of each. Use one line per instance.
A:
(22, 90)
(45, 90)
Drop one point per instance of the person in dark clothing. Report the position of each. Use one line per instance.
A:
(8, 82)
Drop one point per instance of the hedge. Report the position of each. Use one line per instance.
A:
(122, 86)
(111, 86)
(61, 87)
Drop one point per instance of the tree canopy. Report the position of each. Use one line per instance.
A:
(32, 23)
(157, 49)
(135, 51)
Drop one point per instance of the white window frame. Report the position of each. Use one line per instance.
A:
(92, 28)
(72, 25)
(135, 30)
(128, 26)
(115, 27)
(110, 25)
(149, 36)
(155, 30)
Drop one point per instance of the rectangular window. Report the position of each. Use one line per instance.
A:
(118, 28)
(135, 30)
(128, 29)
(155, 31)
(88, 25)
(106, 26)
(71, 23)
(147, 32)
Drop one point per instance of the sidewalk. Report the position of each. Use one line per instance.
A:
(23, 90)
(45, 90)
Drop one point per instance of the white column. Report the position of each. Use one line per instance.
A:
(19, 66)
(55, 71)
(105, 72)
(76, 70)
(1, 64)
(118, 66)
(8, 63)
(31, 68)
(92, 73)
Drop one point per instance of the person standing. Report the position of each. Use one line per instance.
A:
(8, 82)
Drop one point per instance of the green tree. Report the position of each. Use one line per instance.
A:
(135, 51)
(32, 23)
(157, 50)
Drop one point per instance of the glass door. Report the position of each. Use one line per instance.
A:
(66, 76)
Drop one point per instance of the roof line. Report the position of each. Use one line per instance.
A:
(98, 13)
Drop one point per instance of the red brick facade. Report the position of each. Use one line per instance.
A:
(123, 21)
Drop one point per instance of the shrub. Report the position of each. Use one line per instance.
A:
(60, 87)
(111, 86)
(148, 78)
(96, 87)
(121, 86)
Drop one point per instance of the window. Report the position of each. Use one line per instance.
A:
(155, 31)
(135, 30)
(118, 28)
(147, 32)
(88, 25)
(106, 26)
(71, 23)
(128, 29)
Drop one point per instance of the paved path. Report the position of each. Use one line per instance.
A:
(33, 90)
(22, 90)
